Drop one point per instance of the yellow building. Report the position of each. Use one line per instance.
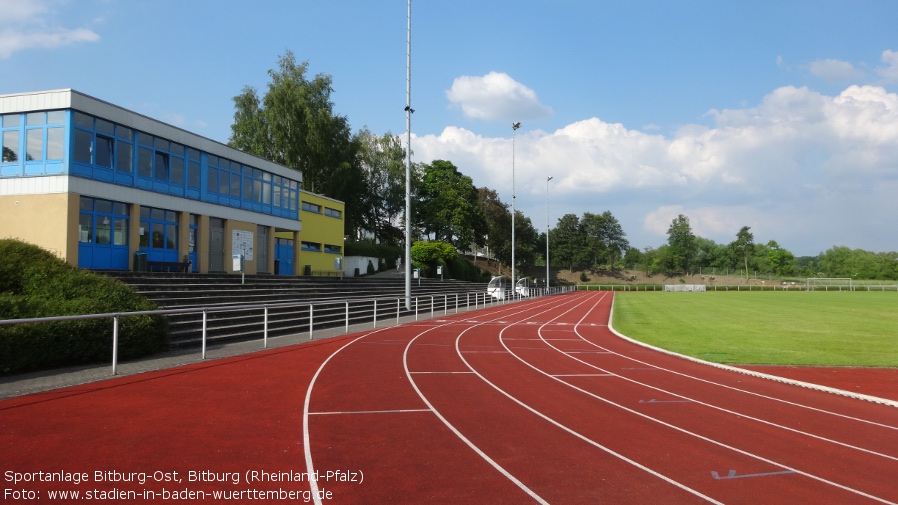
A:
(320, 247)
(107, 188)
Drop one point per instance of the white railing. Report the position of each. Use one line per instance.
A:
(481, 299)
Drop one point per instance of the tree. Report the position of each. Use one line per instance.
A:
(744, 246)
(777, 260)
(497, 224)
(382, 159)
(447, 205)
(682, 245)
(294, 125)
(527, 241)
(613, 237)
(568, 242)
(710, 254)
(592, 230)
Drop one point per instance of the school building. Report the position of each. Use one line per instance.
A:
(106, 188)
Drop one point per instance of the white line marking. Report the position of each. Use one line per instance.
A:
(401, 411)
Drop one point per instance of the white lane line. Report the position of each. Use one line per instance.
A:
(336, 413)
(439, 373)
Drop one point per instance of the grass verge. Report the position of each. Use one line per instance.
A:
(768, 328)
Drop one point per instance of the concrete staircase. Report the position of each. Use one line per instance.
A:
(215, 291)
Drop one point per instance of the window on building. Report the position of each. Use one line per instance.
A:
(212, 179)
(161, 168)
(10, 142)
(333, 249)
(83, 147)
(224, 182)
(145, 162)
(332, 212)
(123, 156)
(311, 207)
(311, 246)
(104, 152)
(177, 170)
(103, 222)
(158, 228)
(34, 145)
(85, 227)
(55, 140)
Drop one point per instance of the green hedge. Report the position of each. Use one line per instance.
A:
(34, 283)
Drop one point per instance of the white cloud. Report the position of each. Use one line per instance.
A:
(801, 167)
(890, 72)
(835, 70)
(25, 25)
(495, 96)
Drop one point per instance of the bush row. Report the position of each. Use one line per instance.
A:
(34, 284)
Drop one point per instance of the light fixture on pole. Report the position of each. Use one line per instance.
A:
(547, 233)
(514, 129)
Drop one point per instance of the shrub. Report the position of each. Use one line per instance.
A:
(583, 277)
(34, 284)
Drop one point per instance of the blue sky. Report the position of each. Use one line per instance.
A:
(782, 116)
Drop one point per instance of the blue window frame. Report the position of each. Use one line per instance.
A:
(33, 143)
(103, 227)
(158, 233)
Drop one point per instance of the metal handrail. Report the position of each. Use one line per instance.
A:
(479, 297)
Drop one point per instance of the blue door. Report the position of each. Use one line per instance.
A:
(283, 254)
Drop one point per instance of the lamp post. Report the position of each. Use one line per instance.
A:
(547, 233)
(408, 166)
(514, 129)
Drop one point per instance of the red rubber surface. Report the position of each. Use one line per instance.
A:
(535, 402)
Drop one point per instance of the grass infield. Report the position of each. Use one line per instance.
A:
(767, 328)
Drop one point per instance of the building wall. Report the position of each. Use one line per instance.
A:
(320, 243)
(42, 219)
(90, 152)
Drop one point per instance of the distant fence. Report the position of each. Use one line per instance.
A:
(770, 287)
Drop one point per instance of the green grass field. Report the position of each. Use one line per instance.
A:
(772, 328)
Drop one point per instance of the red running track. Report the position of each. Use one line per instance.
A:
(534, 402)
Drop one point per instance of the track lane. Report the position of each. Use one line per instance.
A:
(623, 393)
(367, 377)
(557, 443)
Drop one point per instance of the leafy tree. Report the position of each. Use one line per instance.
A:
(744, 246)
(447, 205)
(592, 231)
(497, 224)
(294, 125)
(613, 237)
(527, 242)
(710, 254)
(682, 246)
(633, 257)
(382, 160)
(776, 260)
(568, 242)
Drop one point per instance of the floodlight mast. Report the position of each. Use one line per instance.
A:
(408, 165)
(547, 233)
(514, 129)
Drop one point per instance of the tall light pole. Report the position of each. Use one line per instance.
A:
(547, 233)
(408, 166)
(514, 129)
